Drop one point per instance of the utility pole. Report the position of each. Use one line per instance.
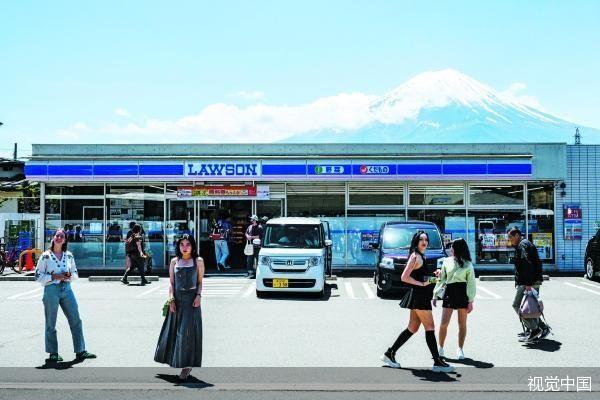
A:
(15, 153)
(577, 136)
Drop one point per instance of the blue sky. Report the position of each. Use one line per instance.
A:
(107, 70)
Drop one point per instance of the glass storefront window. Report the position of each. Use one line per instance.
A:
(326, 202)
(363, 228)
(83, 220)
(496, 194)
(75, 190)
(541, 219)
(269, 208)
(491, 243)
(451, 223)
(181, 219)
(376, 194)
(436, 195)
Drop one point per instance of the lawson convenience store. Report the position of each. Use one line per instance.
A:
(472, 191)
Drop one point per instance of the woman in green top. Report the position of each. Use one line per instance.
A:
(458, 277)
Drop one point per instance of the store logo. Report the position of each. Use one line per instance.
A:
(374, 169)
(290, 263)
(221, 169)
(329, 169)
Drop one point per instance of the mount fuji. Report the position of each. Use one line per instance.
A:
(450, 107)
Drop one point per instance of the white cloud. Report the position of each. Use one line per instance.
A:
(74, 132)
(224, 123)
(515, 93)
(253, 95)
(121, 112)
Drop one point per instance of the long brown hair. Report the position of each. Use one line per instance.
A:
(65, 243)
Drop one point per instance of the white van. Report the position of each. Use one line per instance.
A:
(295, 256)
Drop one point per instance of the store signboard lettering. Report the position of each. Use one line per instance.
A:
(221, 169)
(214, 191)
(573, 217)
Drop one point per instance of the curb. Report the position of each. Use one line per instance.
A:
(15, 278)
(332, 278)
(118, 278)
(490, 278)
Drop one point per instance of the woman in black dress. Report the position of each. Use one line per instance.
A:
(180, 341)
(418, 300)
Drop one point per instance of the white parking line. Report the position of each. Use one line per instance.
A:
(27, 295)
(489, 292)
(250, 290)
(154, 289)
(590, 284)
(582, 288)
(349, 290)
(367, 287)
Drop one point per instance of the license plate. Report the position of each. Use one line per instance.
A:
(280, 283)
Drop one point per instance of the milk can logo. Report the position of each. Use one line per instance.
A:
(329, 169)
(374, 169)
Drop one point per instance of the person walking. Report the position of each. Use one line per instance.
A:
(418, 299)
(528, 278)
(220, 235)
(56, 270)
(456, 287)
(254, 231)
(137, 257)
(180, 340)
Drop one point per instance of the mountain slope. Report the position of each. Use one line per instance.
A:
(450, 107)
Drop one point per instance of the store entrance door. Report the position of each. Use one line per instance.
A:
(234, 216)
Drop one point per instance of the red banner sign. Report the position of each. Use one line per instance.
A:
(216, 191)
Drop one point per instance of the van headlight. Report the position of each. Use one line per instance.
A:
(314, 261)
(387, 263)
(265, 260)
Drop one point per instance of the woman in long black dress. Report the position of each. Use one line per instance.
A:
(180, 341)
(418, 300)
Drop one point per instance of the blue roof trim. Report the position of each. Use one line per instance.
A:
(464, 169)
(419, 169)
(509, 169)
(36, 170)
(284, 169)
(116, 170)
(161, 170)
(70, 170)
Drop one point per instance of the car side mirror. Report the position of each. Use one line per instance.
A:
(256, 242)
(374, 246)
(328, 242)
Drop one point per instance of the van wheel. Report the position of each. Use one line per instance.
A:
(260, 294)
(589, 268)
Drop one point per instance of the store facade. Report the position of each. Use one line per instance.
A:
(473, 191)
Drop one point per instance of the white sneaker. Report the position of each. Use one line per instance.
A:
(441, 351)
(442, 368)
(389, 360)
(460, 354)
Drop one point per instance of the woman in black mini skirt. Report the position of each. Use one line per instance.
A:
(418, 300)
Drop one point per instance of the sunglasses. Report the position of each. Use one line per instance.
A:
(185, 236)
(59, 236)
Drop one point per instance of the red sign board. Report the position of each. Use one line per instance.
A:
(217, 191)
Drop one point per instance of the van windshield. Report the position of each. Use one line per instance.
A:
(399, 237)
(296, 236)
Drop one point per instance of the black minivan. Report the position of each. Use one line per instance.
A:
(592, 257)
(392, 252)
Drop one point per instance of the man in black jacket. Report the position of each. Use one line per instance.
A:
(528, 276)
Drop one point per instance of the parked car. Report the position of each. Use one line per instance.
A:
(295, 256)
(592, 257)
(392, 248)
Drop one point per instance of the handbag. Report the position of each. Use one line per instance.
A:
(442, 292)
(531, 307)
(214, 236)
(249, 248)
(165, 309)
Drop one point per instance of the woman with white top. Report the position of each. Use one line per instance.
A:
(458, 276)
(180, 340)
(55, 270)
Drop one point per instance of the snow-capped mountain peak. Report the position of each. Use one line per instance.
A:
(448, 87)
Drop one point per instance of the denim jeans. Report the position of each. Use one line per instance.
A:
(221, 251)
(61, 295)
